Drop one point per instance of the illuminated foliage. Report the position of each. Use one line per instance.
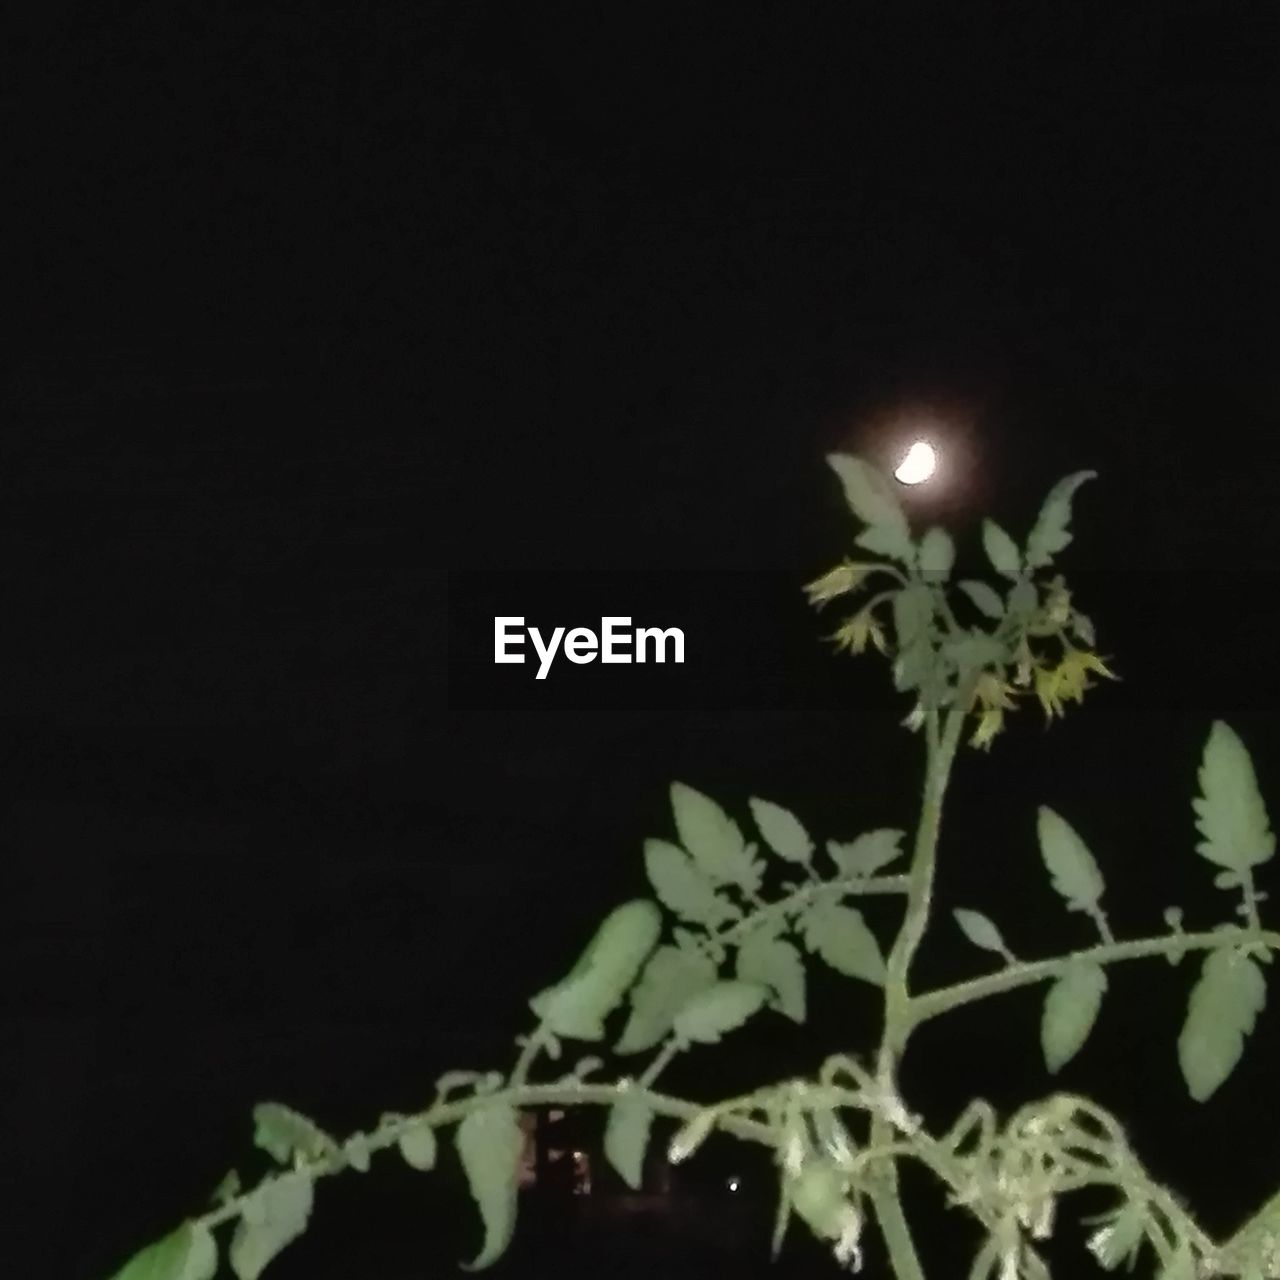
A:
(740, 912)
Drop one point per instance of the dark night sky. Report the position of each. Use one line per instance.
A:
(316, 309)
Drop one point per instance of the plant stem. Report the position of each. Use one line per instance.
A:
(1025, 973)
(887, 1202)
(562, 1093)
(897, 1008)
(940, 750)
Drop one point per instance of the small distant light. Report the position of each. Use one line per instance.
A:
(734, 1184)
(577, 1155)
(918, 465)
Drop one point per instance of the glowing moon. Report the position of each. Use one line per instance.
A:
(918, 465)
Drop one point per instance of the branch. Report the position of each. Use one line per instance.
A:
(1025, 973)
(800, 898)
(561, 1093)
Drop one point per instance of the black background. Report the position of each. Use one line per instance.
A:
(320, 310)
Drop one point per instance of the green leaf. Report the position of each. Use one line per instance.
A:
(775, 964)
(841, 937)
(272, 1218)
(1049, 535)
(1001, 549)
(1072, 868)
(782, 831)
(691, 1135)
(888, 540)
(418, 1146)
(577, 1007)
(870, 494)
(972, 651)
(189, 1253)
(1070, 1010)
(985, 599)
(912, 614)
(868, 853)
(1024, 599)
(1223, 1008)
(626, 1137)
(681, 887)
(1230, 814)
(282, 1132)
(673, 976)
(356, 1150)
(490, 1143)
(980, 931)
(713, 840)
(719, 1010)
(937, 553)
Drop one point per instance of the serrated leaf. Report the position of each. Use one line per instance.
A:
(282, 1132)
(713, 840)
(868, 853)
(673, 976)
(775, 964)
(490, 1143)
(681, 887)
(841, 937)
(1230, 813)
(1223, 1008)
(981, 931)
(1072, 868)
(272, 1218)
(1070, 1010)
(1001, 550)
(985, 599)
(189, 1253)
(719, 1010)
(937, 553)
(870, 494)
(782, 830)
(577, 1007)
(419, 1147)
(626, 1137)
(1050, 534)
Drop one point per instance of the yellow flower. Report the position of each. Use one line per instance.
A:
(1068, 681)
(990, 722)
(991, 692)
(992, 697)
(862, 629)
(836, 582)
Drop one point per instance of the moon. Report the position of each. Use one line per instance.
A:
(918, 465)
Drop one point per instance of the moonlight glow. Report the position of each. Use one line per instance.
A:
(918, 465)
